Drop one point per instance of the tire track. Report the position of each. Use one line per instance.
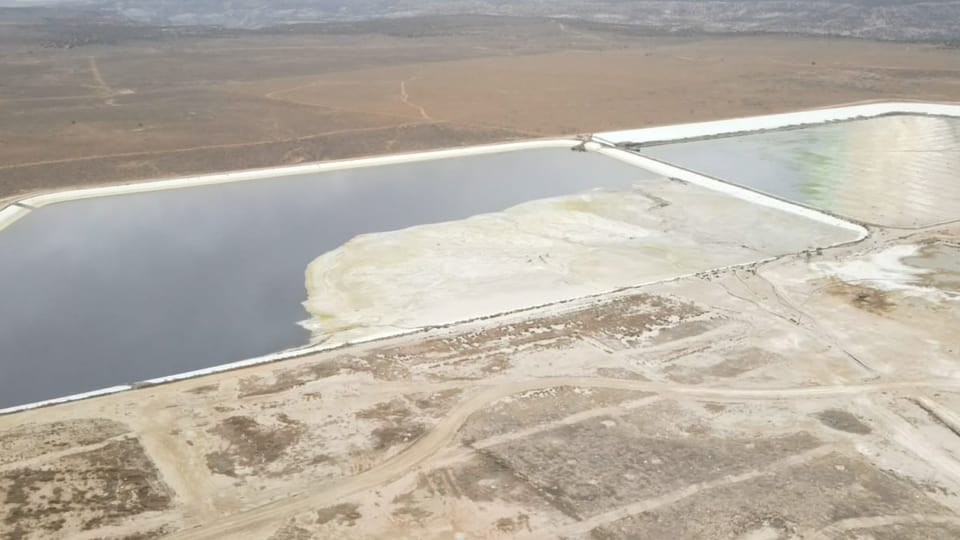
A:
(405, 98)
(104, 91)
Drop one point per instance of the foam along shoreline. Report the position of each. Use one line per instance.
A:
(546, 251)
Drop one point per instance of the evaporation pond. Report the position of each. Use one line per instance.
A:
(117, 289)
(899, 170)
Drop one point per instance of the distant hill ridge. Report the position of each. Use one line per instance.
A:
(897, 20)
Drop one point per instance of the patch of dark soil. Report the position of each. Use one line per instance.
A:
(221, 463)
(514, 524)
(438, 401)
(205, 389)
(843, 421)
(253, 444)
(390, 411)
(344, 514)
(292, 532)
(861, 297)
(627, 321)
(85, 490)
(131, 476)
(392, 435)
(715, 407)
(258, 386)
(414, 512)
(396, 426)
(148, 535)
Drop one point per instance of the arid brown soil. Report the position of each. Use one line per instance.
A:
(158, 107)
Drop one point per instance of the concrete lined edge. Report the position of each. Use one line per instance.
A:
(774, 121)
(11, 213)
(68, 399)
(738, 192)
(38, 201)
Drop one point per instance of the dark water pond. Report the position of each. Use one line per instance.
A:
(125, 288)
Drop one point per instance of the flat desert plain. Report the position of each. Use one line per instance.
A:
(161, 106)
